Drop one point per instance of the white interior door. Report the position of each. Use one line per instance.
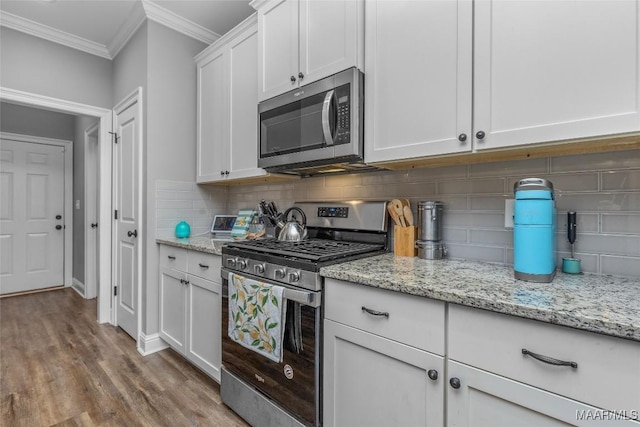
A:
(31, 216)
(126, 201)
(92, 197)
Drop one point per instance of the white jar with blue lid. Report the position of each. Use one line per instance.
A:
(534, 230)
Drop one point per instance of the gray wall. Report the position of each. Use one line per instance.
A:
(35, 65)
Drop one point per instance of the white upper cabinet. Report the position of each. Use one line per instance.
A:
(543, 71)
(418, 76)
(301, 41)
(228, 107)
(555, 70)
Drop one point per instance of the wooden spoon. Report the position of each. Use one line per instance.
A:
(408, 215)
(397, 206)
(393, 214)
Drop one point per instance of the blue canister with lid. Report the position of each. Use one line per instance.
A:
(183, 229)
(534, 230)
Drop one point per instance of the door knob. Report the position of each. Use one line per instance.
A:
(58, 227)
(133, 233)
(58, 216)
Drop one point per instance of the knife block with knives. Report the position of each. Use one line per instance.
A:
(405, 233)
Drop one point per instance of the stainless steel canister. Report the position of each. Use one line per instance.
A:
(431, 250)
(430, 221)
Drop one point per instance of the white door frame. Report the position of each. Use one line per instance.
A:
(90, 195)
(134, 97)
(105, 314)
(68, 194)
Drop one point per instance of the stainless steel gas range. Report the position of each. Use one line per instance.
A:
(289, 393)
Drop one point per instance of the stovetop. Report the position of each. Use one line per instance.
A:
(315, 250)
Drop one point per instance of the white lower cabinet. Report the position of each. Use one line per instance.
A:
(374, 381)
(190, 307)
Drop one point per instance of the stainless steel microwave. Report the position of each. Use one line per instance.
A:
(315, 128)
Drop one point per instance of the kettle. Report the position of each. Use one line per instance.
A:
(292, 231)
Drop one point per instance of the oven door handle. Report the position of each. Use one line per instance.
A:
(326, 122)
(309, 298)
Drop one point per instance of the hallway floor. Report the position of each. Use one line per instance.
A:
(59, 367)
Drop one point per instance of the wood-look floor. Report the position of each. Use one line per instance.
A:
(60, 367)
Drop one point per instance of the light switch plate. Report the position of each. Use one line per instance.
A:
(508, 213)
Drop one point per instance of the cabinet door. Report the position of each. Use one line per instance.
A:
(554, 70)
(418, 78)
(204, 311)
(485, 399)
(278, 47)
(173, 308)
(243, 108)
(213, 129)
(373, 381)
(331, 37)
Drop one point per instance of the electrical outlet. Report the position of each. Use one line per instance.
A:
(508, 213)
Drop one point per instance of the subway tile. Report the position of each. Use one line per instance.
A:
(475, 186)
(473, 220)
(434, 174)
(525, 167)
(343, 180)
(598, 161)
(450, 203)
(487, 203)
(620, 266)
(588, 262)
(600, 202)
(166, 213)
(165, 195)
(174, 204)
(621, 223)
(621, 180)
(384, 177)
(420, 189)
(610, 244)
(454, 235)
(167, 223)
(164, 233)
(586, 223)
(476, 253)
(491, 237)
(188, 195)
(565, 182)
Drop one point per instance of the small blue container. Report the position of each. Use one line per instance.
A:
(183, 229)
(534, 230)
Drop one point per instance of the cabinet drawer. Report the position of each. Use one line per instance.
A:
(205, 265)
(608, 368)
(173, 257)
(411, 320)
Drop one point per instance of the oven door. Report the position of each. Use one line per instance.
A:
(294, 384)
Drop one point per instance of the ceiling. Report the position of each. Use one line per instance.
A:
(102, 27)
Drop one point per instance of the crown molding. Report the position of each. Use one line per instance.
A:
(35, 29)
(145, 9)
(178, 23)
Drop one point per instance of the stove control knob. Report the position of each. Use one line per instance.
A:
(242, 264)
(231, 262)
(258, 268)
(279, 273)
(294, 276)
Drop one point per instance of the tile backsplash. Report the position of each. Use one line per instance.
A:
(186, 201)
(603, 188)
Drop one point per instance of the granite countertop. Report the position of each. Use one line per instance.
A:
(604, 304)
(196, 243)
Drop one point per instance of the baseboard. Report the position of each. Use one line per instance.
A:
(149, 344)
(78, 286)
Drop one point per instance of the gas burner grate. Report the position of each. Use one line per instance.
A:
(313, 249)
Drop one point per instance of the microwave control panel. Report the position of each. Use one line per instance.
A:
(343, 125)
(329, 212)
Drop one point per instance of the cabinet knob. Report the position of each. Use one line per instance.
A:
(221, 173)
(462, 137)
(433, 374)
(133, 233)
(58, 227)
(226, 173)
(293, 79)
(480, 134)
(94, 225)
(300, 75)
(455, 382)
(58, 216)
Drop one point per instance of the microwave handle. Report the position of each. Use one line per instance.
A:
(326, 124)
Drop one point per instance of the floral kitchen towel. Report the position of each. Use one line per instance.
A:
(257, 315)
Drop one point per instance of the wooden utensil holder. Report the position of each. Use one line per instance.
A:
(404, 241)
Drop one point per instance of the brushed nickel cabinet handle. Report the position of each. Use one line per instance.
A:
(549, 360)
(375, 312)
